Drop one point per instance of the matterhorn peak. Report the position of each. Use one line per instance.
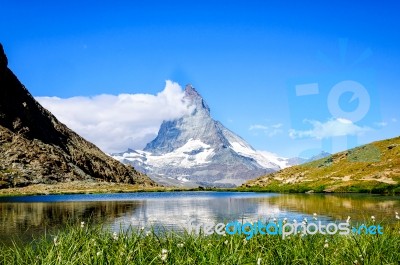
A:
(196, 99)
(189, 89)
(197, 150)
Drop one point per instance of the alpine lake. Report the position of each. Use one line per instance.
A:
(24, 218)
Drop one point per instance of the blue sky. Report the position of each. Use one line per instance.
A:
(245, 58)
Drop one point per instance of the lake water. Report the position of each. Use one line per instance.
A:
(25, 217)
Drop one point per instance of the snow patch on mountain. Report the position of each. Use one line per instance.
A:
(197, 150)
(282, 162)
(251, 153)
(193, 153)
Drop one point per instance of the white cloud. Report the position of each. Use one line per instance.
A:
(258, 127)
(331, 128)
(277, 126)
(394, 120)
(270, 131)
(117, 122)
(381, 124)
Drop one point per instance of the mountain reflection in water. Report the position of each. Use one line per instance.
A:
(24, 218)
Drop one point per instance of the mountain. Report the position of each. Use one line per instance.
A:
(374, 167)
(197, 150)
(36, 148)
(294, 161)
(322, 154)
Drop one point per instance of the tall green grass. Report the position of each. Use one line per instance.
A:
(94, 245)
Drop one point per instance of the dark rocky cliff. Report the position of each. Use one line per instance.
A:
(36, 148)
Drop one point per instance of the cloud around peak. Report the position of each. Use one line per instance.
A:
(116, 122)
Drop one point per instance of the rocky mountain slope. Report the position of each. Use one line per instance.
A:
(373, 167)
(197, 150)
(36, 148)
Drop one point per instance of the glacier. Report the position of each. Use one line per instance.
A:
(195, 150)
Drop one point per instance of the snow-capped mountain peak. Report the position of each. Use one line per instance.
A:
(197, 150)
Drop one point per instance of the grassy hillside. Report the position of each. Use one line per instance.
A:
(371, 168)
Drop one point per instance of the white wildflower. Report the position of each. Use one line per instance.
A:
(55, 241)
(82, 224)
(326, 245)
(179, 245)
(244, 241)
(373, 218)
(98, 253)
(285, 220)
(226, 242)
(259, 261)
(348, 219)
(164, 254)
(315, 216)
(115, 236)
(164, 257)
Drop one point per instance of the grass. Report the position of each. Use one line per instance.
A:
(83, 187)
(94, 245)
(94, 187)
(370, 187)
(371, 168)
